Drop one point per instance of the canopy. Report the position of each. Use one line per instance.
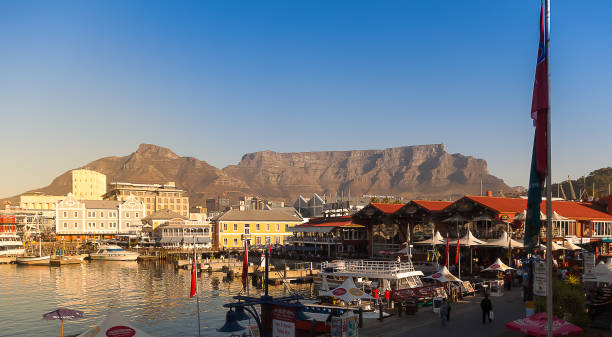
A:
(556, 216)
(535, 325)
(603, 272)
(503, 241)
(443, 275)
(63, 313)
(498, 265)
(437, 239)
(523, 216)
(467, 240)
(554, 246)
(348, 291)
(570, 246)
(114, 325)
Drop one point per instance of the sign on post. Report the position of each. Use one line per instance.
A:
(283, 321)
(589, 266)
(539, 279)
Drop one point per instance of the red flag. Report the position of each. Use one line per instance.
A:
(447, 250)
(457, 253)
(539, 103)
(194, 284)
(245, 265)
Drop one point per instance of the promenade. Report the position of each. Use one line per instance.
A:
(466, 320)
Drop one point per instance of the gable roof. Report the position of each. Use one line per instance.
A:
(432, 205)
(258, 215)
(387, 208)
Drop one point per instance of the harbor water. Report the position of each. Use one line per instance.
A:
(152, 295)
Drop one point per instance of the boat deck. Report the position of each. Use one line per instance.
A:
(370, 269)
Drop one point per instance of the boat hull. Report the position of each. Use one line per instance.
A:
(34, 260)
(114, 257)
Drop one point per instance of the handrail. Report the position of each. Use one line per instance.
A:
(366, 266)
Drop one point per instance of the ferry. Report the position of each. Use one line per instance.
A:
(10, 243)
(113, 253)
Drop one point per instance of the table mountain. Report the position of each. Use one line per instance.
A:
(422, 171)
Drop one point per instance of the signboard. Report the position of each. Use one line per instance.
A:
(539, 279)
(589, 266)
(467, 287)
(283, 321)
(344, 326)
(336, 326)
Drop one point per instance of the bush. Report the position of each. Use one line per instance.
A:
(568, 297)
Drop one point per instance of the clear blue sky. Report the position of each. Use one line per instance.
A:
(214, 80)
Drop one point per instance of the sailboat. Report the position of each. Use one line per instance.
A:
(39, 260)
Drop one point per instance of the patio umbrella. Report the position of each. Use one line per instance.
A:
(498, 266)
(467, 240)
(523, 216)
(114, 325)
(535, 325)
(570, 245)
(348, 291)
(443, 275)
(436, 240)
(503, 242)
(555, 246)
(62, 314)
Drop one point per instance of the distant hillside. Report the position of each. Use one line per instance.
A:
(421, 171)
(601, 179)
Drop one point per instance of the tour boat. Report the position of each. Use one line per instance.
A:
(113, 253)
(10, 243)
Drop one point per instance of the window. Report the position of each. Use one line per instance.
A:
(257, 227)
(65, 214)
(235, 242)
(268, 227)
(89, 214)
(247, 229)
(258, 240)
(93, 214)
(101, 224)
(235, 226)
(65, 225)
(127, 224)
(101, 214)
(277, 240)
(225, 241)
(137, 214)
(127, 214)
(277, 227)
(224, 227)
(76, 214)
(76, 224)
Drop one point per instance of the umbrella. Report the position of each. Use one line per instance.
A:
(503, 242)
(535, 325)
(443, 275)
(348, 291)
(436, 240)
(570, 245)
(114, 325)
(467, 240)
(554, 246)
(62, 314)
(497, 266)
(556, 216)
(523, 216)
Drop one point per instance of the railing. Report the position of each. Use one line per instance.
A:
(366, 266)
(313, 240)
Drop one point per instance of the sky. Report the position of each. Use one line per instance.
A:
(81, 80)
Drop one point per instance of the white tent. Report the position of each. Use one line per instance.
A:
(603, 271)
(467, 240)
(114, 325)
(443, 275)
(436, 240)
(348, 291)
(523, 216)
(570, 246)
(503, 241)
(555, 246)
(498, 265)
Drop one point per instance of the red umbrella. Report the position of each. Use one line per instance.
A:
(535, 325)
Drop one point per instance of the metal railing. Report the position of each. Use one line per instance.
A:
(367, 266)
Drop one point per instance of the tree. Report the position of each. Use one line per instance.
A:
(374, 200)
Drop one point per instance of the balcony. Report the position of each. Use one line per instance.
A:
(313, 240)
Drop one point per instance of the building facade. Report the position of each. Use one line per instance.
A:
(155, 197)
(184, 234)
(258, 226)
(39, 201)
(88, 184)
(98, 219)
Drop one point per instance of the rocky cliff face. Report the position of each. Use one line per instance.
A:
(422, 171)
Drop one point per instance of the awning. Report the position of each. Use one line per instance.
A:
(311, 229)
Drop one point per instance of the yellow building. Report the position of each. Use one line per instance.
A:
(258, 226)
(37, 200)
(156, 197)
(88, 184)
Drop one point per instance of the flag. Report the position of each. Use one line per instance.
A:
(245, 265)
(194, 284)
(447, 250)
(457, 253)
(539, 111)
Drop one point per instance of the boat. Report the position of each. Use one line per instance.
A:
(10, 243)
(113, 253)
(58, 260)
(32, 260)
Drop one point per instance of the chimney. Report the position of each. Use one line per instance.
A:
(489, 193)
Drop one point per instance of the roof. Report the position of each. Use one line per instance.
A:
(387, 208)
(340, 221)
(568, 209)
(432, 205)
(163, 214)
(101, 204)
(258, 215)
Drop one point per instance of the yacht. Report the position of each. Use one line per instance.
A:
(113, 253)
(10, 243)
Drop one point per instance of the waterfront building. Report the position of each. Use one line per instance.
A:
(88, 184)
(185, 234)
(155, 197)
(258, 226)
(39, 201)
(98, 219)
(161, 217)
(331, 237)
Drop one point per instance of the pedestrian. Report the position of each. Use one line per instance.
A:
(486, 307)
(444, 312)
(448, 311)
(508, 281)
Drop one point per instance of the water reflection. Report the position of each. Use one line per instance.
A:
(153, 295)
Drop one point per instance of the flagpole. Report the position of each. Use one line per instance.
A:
(549, 288)
(196, 290)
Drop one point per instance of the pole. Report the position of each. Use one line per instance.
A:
(197, 295)
(62, 328)
(549, 288)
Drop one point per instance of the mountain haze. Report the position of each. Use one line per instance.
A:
(421, 171)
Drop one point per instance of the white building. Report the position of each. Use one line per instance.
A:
(184, 234)
(98, 219)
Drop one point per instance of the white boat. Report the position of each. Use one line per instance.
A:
(10, 243)
(113, 253)
(34, 260)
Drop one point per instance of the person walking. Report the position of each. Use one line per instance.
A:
(486, 307)
(444, 308)
(448, 311)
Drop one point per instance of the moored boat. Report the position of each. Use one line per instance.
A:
(58, 260)
(34, 260)
(113, 253)
(10, 243)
